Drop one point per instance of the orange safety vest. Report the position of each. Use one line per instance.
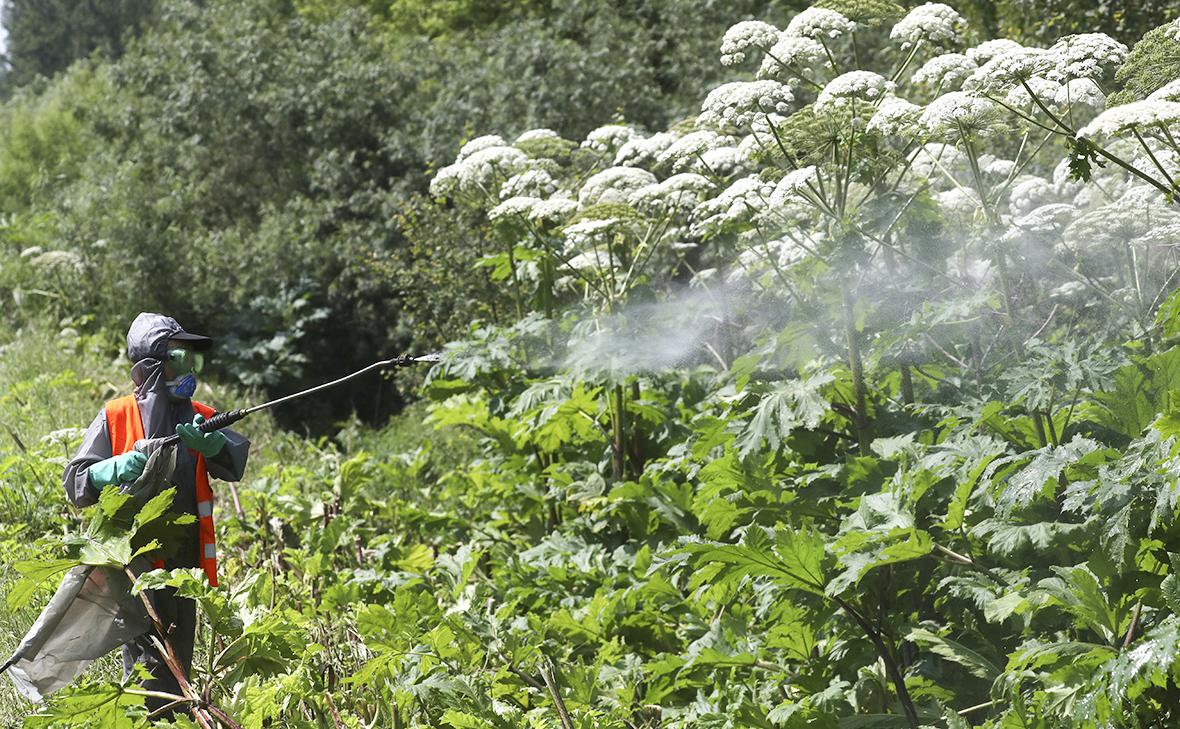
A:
(125, 425)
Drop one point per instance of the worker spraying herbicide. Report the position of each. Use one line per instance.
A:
(136, 449)
(167, 360)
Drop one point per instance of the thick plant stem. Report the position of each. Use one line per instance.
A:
(887, 656)
(1039, 424)
(202, 712)
(618, 433)
(907, 385)
(547, 673)
(636, 444)
(1005, 284)
(861, 414)
(515, 282)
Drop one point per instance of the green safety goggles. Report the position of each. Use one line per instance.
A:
(184, 361)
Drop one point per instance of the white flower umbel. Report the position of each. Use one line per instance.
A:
(938, 163)
(644, 151)
(959, 204)
(592, 260)
(1046, 91)
(534, 135)
(1135, 115)
(1008, 69)
(553, 209)
(58, 261)
(1064, 186)
(513, 207)
(479, 144)
(445, 181)
(1168, 92)
(988, 50)
(1139, 217)
(1164, 157)
(681, 193)
(1082, 92)
(479, 173)
(609, 138)
(862, 85)
(1086, 55)
(1029, 193)
(791, 54)
(1051, 218)
(737, 104)
(958, 113)
(738, 203)
(751, 146)
(997, 169)
(533, 183)
(935, 24)
(683, 153)
(722, 161)
(1172, 29)
(613, 185)
(800, 184)
(946, 72)
(586, 232)
(894, 116)
(744, 36)
(820, 24)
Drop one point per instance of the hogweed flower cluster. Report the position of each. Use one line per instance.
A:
(935, 24)
(791, 53)
(1087, 55)
(614, 185)
(946, 72)
(742, 37)
(820, 24)
(1136, 115)
(609, 138)
(854, 85)
(894, 116)
(737, 104)
(958, 113)
(785, 155)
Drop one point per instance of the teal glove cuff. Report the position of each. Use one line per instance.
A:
(117, 469)
(207, 444)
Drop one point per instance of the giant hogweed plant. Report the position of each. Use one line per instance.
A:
(978, 228)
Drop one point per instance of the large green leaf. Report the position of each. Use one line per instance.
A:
(954, 651)
(33, 575)
(791, 404)
(1141, 391)
(793, 559)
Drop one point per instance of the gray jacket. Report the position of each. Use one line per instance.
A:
(147, 345)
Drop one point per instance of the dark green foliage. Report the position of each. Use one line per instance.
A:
(1040, 22)
(45, 36)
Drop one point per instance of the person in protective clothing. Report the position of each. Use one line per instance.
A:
(166, 361)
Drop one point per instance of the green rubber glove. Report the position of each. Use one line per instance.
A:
(207, 444)
(117, 469)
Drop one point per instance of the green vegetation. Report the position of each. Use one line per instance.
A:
(831, 385)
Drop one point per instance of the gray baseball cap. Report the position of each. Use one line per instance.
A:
(149, 335)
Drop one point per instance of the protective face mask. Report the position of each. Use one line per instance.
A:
(182, 388)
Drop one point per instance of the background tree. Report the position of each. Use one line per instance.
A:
(46, 36)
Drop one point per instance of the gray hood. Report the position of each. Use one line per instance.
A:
(147, 347)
